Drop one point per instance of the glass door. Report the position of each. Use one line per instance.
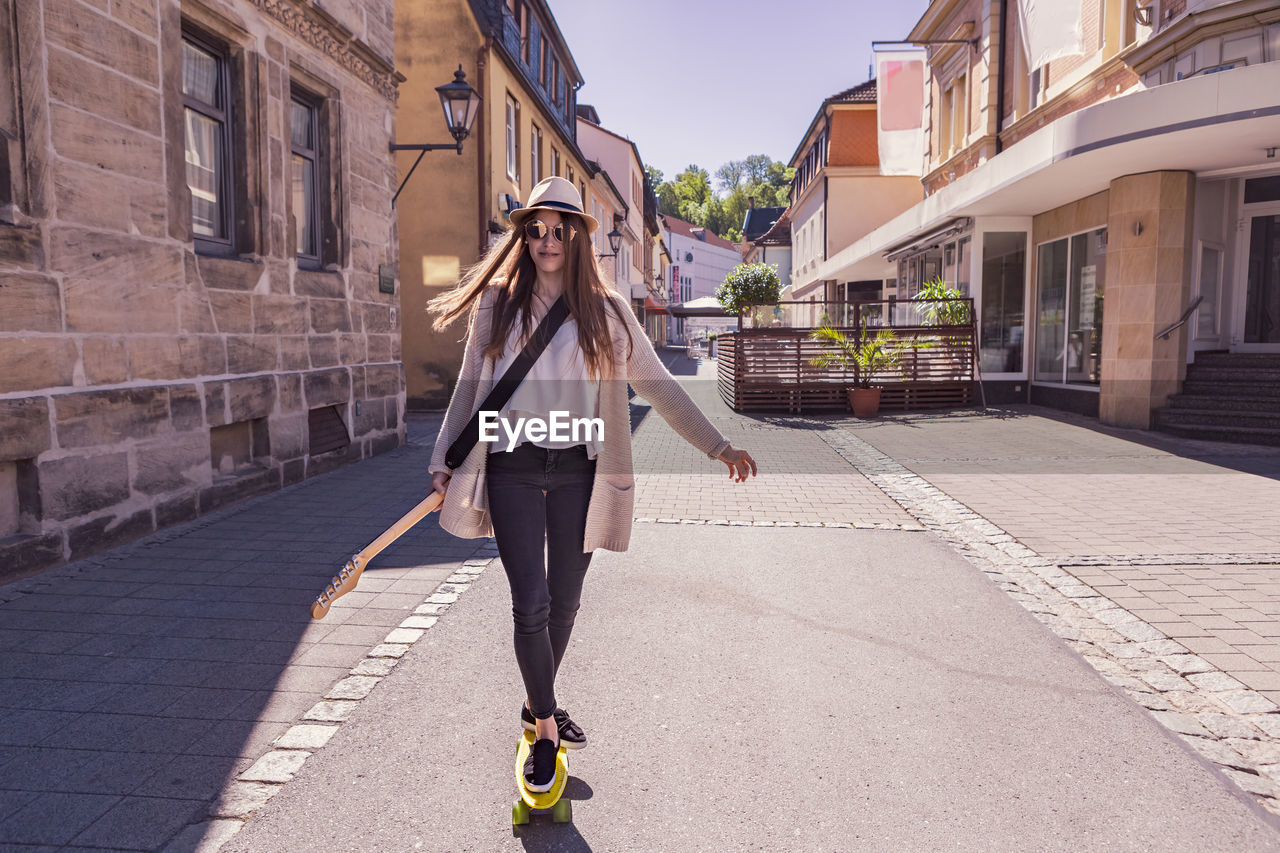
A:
(1257, 315)
(1262, 289)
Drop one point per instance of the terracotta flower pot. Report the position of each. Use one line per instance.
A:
(864, 401)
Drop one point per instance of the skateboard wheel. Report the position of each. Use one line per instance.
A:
(562, 811)
(519, 813)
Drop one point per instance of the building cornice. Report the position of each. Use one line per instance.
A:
(325, 33)
(933, 17)
(851, 171)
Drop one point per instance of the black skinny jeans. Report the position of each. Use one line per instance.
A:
(539, 496)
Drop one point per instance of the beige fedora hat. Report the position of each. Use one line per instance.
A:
(554, 194)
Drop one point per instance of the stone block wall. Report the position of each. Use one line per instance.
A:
(144, 381)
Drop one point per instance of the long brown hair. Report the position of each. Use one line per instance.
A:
(509, 263)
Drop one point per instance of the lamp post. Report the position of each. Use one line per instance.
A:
(461, 105)
(615, 243)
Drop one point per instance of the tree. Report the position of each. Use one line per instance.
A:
(749, 284)
(730, 176)
(756, 168)
(690, 196)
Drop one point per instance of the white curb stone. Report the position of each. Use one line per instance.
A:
(388, 650)
(305, 736)
(330, 712)
(241, 799)
(408, 636)
(353, 687)
(277, 766)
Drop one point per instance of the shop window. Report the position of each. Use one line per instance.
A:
(1070, 275)
(1004, 265)
(207, 119)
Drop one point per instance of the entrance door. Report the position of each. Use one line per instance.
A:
(1262, 290)
(1257, 314)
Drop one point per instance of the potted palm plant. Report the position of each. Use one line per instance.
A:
(866, 356)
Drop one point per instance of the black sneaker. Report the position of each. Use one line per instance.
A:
(540, 766)
(571, 736)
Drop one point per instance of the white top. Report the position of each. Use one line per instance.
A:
(557, 382)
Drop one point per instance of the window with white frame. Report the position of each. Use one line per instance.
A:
(535, 154)
(513, 138)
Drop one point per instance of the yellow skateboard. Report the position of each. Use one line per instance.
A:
(561, 810)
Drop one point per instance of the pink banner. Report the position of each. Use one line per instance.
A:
(900, 100)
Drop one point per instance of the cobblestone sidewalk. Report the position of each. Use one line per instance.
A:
(1116, 541)
(159, 693)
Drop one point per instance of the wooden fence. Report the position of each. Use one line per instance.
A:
(771, 370)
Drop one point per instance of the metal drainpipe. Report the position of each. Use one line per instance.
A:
(482, 146)
(1004, 12)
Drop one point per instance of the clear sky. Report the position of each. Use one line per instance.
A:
(707, 81)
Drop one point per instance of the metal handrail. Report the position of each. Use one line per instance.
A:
(1162, 336)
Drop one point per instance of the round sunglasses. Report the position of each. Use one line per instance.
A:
(537, 229)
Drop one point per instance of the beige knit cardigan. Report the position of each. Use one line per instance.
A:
(465, 512)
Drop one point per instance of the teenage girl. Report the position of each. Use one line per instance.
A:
(571, 495)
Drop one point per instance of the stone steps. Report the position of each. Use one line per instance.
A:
(1239, 435)
(1226, 397)
(1216, 402)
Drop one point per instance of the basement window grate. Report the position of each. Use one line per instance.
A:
(327, 430)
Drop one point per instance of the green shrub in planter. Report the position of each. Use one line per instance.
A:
(750, 284)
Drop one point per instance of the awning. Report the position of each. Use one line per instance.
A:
(654, 307)
(703, 306)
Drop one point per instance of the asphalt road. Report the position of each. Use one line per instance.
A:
(772, 689)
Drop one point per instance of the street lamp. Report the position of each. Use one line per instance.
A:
(615, 243)
(461, 105)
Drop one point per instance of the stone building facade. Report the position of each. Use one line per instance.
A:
(196, 248)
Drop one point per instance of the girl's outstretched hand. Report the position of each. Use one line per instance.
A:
(740, 463)
(440, 482)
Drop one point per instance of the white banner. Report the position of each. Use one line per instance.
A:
(900, 99)
(1051, 29)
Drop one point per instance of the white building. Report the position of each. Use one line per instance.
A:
(618, 156)
(700, 260)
